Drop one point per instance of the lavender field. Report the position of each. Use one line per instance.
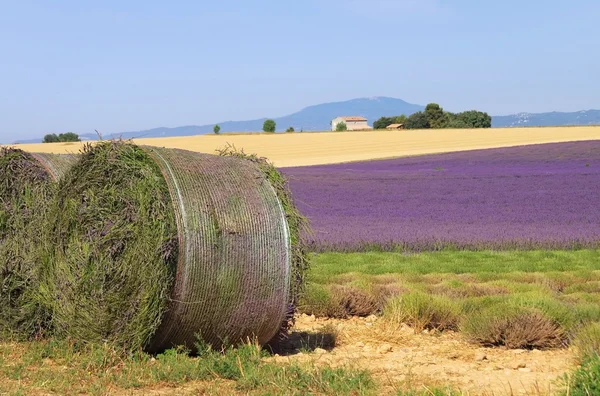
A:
(539, 196)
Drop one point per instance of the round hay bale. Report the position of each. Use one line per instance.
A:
(27, 186)
(158, 246)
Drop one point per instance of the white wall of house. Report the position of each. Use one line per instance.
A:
(351, 125)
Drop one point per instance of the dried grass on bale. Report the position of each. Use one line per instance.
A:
(27, 186)
(155, 246)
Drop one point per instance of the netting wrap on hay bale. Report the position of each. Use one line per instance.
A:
(27, 186)
(169, 244)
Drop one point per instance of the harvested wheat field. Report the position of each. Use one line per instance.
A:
(302, 149)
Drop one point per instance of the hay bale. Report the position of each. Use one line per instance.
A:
(155, 246)
(27, 186)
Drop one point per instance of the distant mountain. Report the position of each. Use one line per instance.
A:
(312, 118)
(317, 118)
(585, 117)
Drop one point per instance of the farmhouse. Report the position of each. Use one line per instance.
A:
(352, 123)
(395, 126)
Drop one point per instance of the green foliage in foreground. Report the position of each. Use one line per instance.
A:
(65, 368)
(518, 299)
(584, 381)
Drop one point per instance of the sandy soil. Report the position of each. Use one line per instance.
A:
(398, 358)
(299, 149)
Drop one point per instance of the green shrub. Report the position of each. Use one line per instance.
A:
(586, 312)
(422, 311)
(339, 301)
(316, 300)
(341, 127)
(549, 305)
(508, 325)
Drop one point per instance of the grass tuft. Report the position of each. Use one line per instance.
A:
(585, 380)
(423, 312)
(587, 342)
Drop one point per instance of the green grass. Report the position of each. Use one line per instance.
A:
(327, 265)
(585, 380)
(490, 295)
(62, 367)
(423, 312)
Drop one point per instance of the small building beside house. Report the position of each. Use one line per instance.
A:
(395, 126)
(352, 123)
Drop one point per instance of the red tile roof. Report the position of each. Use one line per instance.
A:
(353, 118)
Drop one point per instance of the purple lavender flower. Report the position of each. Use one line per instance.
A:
(538, 196)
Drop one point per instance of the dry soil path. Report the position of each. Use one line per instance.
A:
(397, 356)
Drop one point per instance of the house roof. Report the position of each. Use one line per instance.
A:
(353, 118)
(394, 126)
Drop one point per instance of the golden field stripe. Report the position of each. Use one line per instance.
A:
(316, 148)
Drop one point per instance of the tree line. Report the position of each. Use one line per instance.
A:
(63, 137)
(434, 117)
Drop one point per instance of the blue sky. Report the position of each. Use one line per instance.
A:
(117, 66)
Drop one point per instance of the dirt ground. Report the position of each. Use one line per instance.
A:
(399, 358)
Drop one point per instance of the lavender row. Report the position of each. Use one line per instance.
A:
(539, 196)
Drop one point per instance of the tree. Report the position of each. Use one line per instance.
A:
(417, 120)
(458, 124)
(401, 119)
(475, 119)
(51, 138)
(435, 116)
(69, 137)
(269, 126)
(63, 137)
(341, 127)
(217, 129)
(383, 122)
(290, 129)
